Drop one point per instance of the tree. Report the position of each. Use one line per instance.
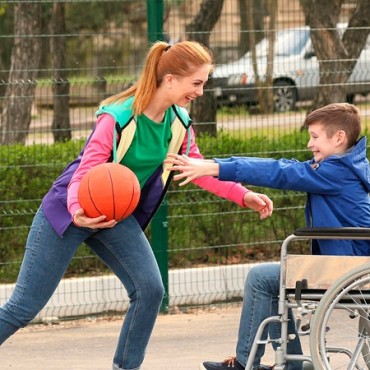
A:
(258, 10)
(264, 86)
(61, 125)
(336, 52)
(20, 90)
(6, 27)
(204, 109)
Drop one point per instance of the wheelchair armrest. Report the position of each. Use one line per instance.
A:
(333, 231)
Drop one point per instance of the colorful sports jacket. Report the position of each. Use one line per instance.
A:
(109, 142)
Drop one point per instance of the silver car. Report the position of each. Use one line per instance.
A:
(295, 72)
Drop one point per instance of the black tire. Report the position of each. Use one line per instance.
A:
(285, 96)
(350, 98)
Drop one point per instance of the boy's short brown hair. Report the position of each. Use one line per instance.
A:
(335, 117)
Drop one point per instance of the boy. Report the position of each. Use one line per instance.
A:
(337, 183)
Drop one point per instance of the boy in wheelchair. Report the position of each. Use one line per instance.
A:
(337, 183)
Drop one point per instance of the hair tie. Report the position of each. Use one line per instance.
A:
(167, 47)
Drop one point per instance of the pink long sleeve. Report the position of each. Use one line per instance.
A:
(225, 189)
(97, 151)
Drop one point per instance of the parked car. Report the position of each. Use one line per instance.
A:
(295, 72)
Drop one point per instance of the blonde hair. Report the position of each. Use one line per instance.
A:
(181, 59)
(335, 117)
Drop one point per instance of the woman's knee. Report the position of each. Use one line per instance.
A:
(157, 292)
(150, 291)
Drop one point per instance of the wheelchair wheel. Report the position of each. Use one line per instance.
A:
(364, 328)
(340, 330)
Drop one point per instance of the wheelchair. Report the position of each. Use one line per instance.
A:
(330, 296)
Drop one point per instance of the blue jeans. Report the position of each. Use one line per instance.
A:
(126, 251)
(261, 295)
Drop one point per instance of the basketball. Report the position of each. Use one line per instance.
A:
(109, 189)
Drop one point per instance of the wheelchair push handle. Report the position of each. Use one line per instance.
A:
(343, 232)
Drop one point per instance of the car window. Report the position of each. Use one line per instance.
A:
(288, 42)
(291, 42)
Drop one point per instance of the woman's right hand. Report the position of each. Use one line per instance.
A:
(81, 220)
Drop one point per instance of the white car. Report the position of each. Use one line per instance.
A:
(295, 72)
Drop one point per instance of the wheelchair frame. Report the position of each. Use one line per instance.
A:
(350, 292)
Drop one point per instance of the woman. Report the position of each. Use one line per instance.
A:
(136, 128)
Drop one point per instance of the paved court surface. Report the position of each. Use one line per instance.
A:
(179, 342)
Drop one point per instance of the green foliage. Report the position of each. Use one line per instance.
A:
(96, 15)
(6, 27)
(26, 174)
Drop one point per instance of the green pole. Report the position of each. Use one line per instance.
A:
(159, 236)
(159, 224)
(155, 20)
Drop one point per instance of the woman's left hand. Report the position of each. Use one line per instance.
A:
(260, 203)
(81, 220)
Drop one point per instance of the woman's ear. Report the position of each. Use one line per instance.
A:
(168, 79)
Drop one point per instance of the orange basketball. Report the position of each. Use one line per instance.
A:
(109, 189)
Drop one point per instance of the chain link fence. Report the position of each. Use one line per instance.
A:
(59, 59)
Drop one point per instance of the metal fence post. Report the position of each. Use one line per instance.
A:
(159, 224)
(159, 236)
(155, 20)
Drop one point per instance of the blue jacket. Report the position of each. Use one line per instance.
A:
(337, 191)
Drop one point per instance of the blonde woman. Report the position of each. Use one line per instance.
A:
(136, 128)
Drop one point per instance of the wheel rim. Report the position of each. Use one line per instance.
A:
(284, 98)
(323, 338)
(349, 327)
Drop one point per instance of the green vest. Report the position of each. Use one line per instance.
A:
(126, 126)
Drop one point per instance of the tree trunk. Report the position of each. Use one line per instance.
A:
(264, 87)
(45, 17)
(20, 91)
(204, 109)
(266, 101)
(61, 125)
(258, 9)
(336, 54)
(252, 43)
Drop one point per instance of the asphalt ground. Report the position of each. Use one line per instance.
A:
(179, 342)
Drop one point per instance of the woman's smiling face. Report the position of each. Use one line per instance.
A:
(185, 89)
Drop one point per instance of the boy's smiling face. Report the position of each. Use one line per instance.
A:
(321, 145)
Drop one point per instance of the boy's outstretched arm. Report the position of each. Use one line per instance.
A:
(193, 168)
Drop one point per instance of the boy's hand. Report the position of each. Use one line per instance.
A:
(260, 203)
(191, 168)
